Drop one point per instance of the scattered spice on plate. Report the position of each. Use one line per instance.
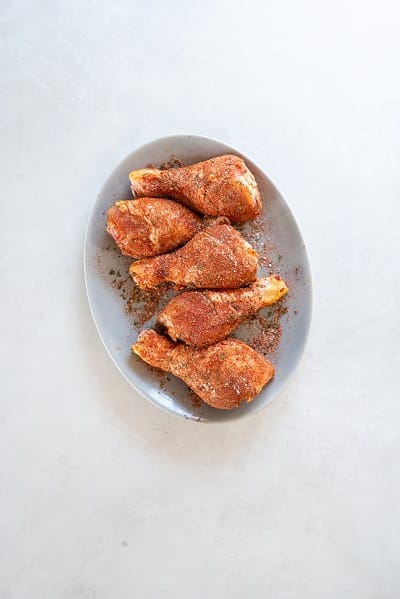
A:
(258, 233)
(141, 305)
(173, 162)
(266, 341)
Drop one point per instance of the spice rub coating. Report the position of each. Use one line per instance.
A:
(217, 257)
(201, 318)
(221, 186)
(151, 226)
(223, 375)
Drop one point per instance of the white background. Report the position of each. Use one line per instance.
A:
(101, 494)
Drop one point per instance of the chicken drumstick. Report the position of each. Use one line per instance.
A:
(217, 257)
(224, 375)
(151, 226)
(221, 186)
(204, 317)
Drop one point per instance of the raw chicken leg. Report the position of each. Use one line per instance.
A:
(204, 317)
(221, 186)
(224, 375)
(217, 257)
(151, 226)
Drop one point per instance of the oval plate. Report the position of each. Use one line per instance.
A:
(106, 268)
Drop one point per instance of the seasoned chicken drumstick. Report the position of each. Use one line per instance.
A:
(221, 186)
(204, 317)
(224, 375)
(217, 257)
(151, 226)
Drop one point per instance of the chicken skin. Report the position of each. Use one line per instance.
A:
(203, 317)
(151, 226)
(221, 186)
(224, 375)
(217, 257)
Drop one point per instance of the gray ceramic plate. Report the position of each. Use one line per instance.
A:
(108, 285)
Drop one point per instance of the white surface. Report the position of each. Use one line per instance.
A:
(103, 495)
